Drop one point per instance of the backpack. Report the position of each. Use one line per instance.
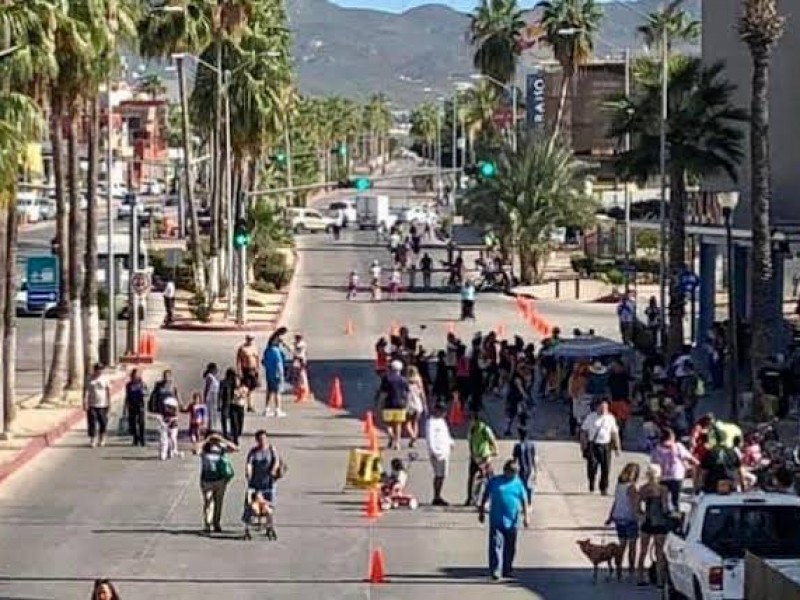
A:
(155, 404)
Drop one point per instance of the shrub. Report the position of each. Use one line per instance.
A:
(201, 310)
(271, 268)
(615, 277)
(265, 287)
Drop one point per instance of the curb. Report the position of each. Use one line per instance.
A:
(51, 436)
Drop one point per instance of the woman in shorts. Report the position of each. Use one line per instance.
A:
(654, 504)
(624, 513)
(393, 397)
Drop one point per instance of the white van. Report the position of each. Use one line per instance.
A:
(28, 207)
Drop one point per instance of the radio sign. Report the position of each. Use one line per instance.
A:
(535, 99)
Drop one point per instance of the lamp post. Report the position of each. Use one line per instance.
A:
(728, 202)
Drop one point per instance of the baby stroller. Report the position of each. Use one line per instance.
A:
(258, 513)
(392, 490)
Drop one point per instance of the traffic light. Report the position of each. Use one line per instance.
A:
(241, 235)
(340, 149)
(482, 170)
(360, 184)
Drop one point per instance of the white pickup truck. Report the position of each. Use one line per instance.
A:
(705, 559)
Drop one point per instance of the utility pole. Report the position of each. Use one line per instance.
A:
(111, 318)
(455, 137)
(241, 281)
(628, 244)
(228, 195)
(133, 267)
(662, 271)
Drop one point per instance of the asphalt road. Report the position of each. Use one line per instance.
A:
(75, 513)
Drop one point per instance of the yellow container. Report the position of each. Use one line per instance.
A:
(364, 469)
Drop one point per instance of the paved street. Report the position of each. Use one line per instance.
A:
(75, 513)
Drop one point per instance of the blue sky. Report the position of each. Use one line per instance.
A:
(401, 5)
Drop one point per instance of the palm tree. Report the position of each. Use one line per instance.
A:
(161, 35)
(678, 23)
(703, 136)
(424, 122)
(537, 188)
(27, 25)
(570, 29)
(118, 22)
(760, 27)
(478, 106)
(496, 28)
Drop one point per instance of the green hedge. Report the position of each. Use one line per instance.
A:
(589, 266)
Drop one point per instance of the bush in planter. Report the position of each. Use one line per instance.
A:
(615, 277)
(201, 310)
(265, 287)
(271, 267)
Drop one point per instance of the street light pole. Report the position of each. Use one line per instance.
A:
(455, 136)
(228, 185)
(628, 240)
(662, 270)
(111, 317)
(728, 201)
(438, 148)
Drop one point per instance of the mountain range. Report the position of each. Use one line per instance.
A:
(357, 52)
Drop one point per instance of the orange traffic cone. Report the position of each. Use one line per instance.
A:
(300, 394)
(372, 509)
(456, 415)
(369, 423)
(372, 441)
(348, 330)
(376, 568)
(500, 330)
(335, 399)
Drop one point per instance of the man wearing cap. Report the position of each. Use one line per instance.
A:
(247, 367)
(393, 393)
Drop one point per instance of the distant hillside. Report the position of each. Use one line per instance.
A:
(356, 52)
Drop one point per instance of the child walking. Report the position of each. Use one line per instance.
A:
(168, 430)
(198, 418)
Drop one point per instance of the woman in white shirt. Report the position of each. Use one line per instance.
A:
(211, 394)
(416, 404)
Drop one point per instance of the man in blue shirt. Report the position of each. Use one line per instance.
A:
(507, 498)
(274, 373)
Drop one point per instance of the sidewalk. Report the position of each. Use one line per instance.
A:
(37, 428)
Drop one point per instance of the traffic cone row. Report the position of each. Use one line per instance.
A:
(372, 507)
(456, 413)
(539, 324)
(377, 570)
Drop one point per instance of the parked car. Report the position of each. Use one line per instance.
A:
(301, 220)
(28, 207)
(152, 187)
(47, 208)
(705, 556)
(348, 210)
(418, 214)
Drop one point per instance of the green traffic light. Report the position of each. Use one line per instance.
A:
(361, 184)
(280, 158)
(487, 169)
(342, 149)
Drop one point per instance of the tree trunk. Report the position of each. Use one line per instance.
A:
(9, 353)
(287, 142)
(56, 380)
(526, 268)
(91, 314)
(196, 250)
(6, 198)
(566, 80)
(75, 379)
(213, 210)
(762, 313)
(677, 258)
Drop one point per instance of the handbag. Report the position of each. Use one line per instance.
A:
(224, 470)
(279, 471)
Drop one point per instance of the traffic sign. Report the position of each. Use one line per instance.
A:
(43, 279)
(688, 282)
(140, 282)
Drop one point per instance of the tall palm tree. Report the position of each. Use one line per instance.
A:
(538, 187)
(760, 27)
(478, 106)
(115, 22)
(704, 137)
(496, 28)
(680, 26)
(570, 28)
(27, 25)
(162, 34)
(424, 122)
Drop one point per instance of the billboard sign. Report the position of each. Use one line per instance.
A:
(535, 99)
